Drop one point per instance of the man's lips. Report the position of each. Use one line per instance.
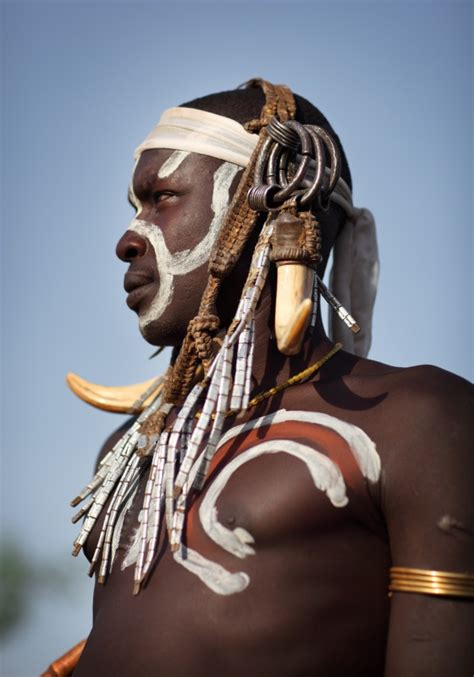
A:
(132, 280)
(136, 284)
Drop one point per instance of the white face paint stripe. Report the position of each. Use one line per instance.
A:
(168, 167)
(186, 260)
(164, 262)
(190, 260)
(172, 163)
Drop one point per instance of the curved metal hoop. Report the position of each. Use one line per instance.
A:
(335, 161)
(290, 151)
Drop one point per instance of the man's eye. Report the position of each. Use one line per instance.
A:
(162, 196)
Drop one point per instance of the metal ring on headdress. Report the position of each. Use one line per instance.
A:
(335, 160)
(283, 134)
(277, 160)
(305, 196)
(306, 153)
(319, 173)
(261, 198)
(303, 145)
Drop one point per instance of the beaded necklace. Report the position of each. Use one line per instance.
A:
(293, 380)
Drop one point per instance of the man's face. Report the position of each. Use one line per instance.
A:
(181, 199)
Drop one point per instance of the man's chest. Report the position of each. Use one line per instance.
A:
(283, 537)
(286, 478)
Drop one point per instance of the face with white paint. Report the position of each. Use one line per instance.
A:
(180, 200)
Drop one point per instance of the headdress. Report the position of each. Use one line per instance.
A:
(288, 167)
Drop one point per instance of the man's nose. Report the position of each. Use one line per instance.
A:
(131, 246)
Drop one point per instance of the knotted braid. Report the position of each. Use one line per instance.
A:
(238, 225)
(202, 328)
(279, 102)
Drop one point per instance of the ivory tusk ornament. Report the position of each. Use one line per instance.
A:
(119, 399)
(293, 306)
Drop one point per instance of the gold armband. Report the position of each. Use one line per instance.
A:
(426, 582)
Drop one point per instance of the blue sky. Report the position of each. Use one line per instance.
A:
(82, 84)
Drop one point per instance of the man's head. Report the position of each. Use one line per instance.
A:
(181, 199)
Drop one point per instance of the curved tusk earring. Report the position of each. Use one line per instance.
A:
(130, 399)
(293, 306)
(295, 248)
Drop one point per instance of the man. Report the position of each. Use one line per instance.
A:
(263, 504)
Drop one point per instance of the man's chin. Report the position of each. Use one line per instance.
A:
(159, 333)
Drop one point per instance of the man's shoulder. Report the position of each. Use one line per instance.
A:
(417, 410)
(426, 431)
(422, 389)
(426, 420)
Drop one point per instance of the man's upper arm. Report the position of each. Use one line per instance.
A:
(428, 505)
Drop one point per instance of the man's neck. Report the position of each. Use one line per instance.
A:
(270, 366)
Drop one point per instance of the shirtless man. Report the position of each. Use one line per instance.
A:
(282, 566)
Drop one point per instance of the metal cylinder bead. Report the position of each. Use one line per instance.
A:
(261, 198)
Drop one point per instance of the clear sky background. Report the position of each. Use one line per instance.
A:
(82, 84)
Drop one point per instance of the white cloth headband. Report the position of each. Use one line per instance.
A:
(198, 131)
(355, 270)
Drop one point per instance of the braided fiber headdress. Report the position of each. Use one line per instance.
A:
(206, 376)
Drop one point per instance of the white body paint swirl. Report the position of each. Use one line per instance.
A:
(364, 450)
(325, 473)
(182, 262)
(214, 575)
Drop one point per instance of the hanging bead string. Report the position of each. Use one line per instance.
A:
(337, 306)
(111, 516)
(155, 387)
(314, 310)
(104, 481)
(293, 380)
(154, 498)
